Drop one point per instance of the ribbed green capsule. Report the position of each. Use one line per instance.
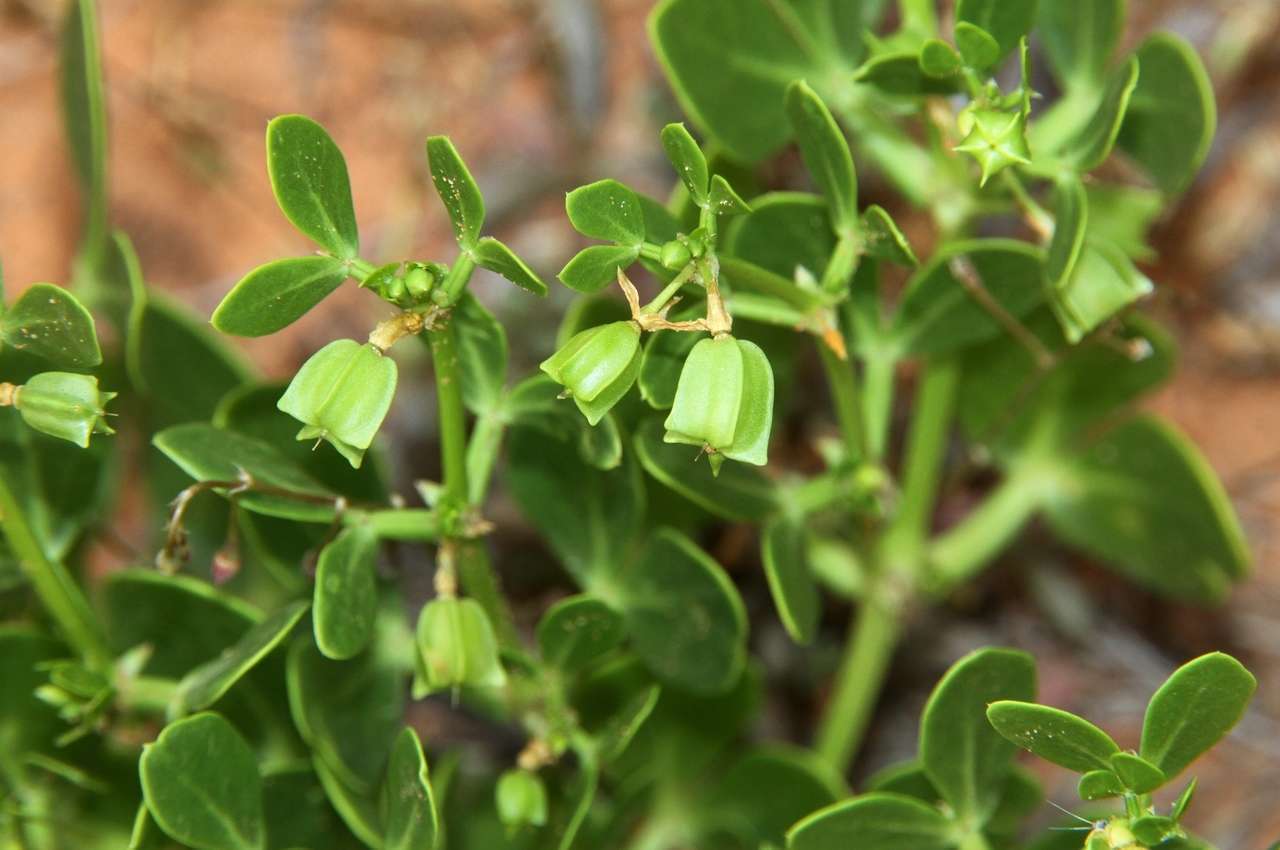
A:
(456, 648)
(597, 366)
(342, 394)
(521, 799)
(724, 401)
(995, 138)
(64, 405)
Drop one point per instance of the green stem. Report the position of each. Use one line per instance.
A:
(877, 403)
(898, 571)
(472, 559)
(57, 590)
(961, 552)
(858, 682)
(926, 448)
(451, 414)
(844, 394)
(482, 454)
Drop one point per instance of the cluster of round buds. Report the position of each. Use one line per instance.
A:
(406, 285)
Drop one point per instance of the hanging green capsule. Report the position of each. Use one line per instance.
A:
(64, 405)
(521, 799)
(724, 401)
(456, 648)
(597, 366)
(342, 394)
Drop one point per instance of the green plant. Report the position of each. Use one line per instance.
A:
(249, 706)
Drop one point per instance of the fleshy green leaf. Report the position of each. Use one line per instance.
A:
(877, 821)
(1071, 218)
(977, 46)
(201, 784)
(964, 757)
(826, 154)
(588, 516)
(595, 267)
(1053, 734)
(939, 59)
(309, 177)
(1102, 283)
(607, 210)
(1194, 709)
(1006, 20)
(785, 232)
(738, 493)
(482, 354)
(1172, 117)
(298, 813)
(688, 160)
(899, 74)
(408, 806)
(684, 616)
(187, 622)
(770, 788)
(535, 403)
(1145, 501)
(1079, 37)
(493, 255)
(206, 684)
(1090, 147)
(939, 315)
(357, 809)
(730, 61)
(786, 566)
(883, 239)
(207, 453)
(1137, 774)
(49, 322)
(577, 630)
(276, 295)
(348, 712)
(346, 594)
(84, 111)
(457, 189)
(724, 199)
(1099, 785)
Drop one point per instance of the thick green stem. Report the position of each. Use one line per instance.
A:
(899, 569)
(451, 414)
(867, 653)
(844, 394)
(472, 560)
(877, 403)
(58, 591)
(964, 550)
(926, 449)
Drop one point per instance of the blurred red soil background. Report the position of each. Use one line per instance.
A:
(543, 95)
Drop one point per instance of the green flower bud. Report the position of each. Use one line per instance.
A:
(994, 138)
(456, 647)
(342, 394)
(675, 255)
(418, 281)
(64, 405)
(597, 366)
(521, 799)
(724, 401)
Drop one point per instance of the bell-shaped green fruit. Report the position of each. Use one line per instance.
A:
(342, 394)
(995, 138)
(64, 405)
(521, 799)
(724, 401)
(597, 366)
(456, 648)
